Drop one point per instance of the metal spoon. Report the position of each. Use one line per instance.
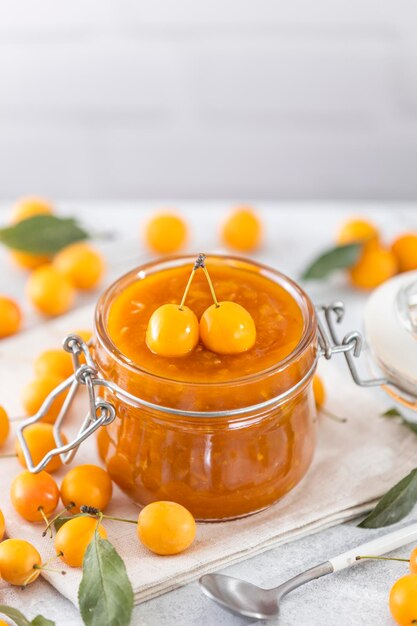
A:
(246, 599)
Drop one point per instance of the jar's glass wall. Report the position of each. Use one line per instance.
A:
(218, 468)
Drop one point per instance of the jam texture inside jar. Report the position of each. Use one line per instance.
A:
(225, 435)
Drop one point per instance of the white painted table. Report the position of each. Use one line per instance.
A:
(294, 234)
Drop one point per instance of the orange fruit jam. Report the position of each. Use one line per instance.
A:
(217, 466)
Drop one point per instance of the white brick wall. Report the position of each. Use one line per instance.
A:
(231, 98)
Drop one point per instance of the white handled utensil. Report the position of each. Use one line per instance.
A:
(250, 600)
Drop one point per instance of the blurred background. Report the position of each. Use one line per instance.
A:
(222, 99)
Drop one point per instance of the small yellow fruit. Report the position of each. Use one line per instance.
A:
(81, 265)
(242, 230)
(34, 496)
(28, 261)
(403, 600)
(2, 526)
(20, 562)
(319, 391)
(166, 527)
(4, 426)
(86, 335)
(86, 485)
(35, 392)
(166, 233)
(28, 207)
(10, 317)
(357, 230)
(54, 362)
(22, 210)
(375, 266)
(49, 291)
(40, 440)
(73, 538)
(405, 250)
(227, 328)
(172, 331)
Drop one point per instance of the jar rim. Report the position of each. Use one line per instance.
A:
(306, 306)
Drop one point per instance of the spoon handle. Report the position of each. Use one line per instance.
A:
(376, 547)
(305, 577)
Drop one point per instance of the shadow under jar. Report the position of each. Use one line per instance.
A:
(225, 436)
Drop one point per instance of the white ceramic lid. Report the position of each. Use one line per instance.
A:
(391, 329)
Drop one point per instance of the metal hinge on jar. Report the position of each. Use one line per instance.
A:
(350, 346)
(100, 412)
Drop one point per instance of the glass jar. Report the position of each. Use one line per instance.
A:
(222, 449)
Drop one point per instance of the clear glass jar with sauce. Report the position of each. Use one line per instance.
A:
(226, 436)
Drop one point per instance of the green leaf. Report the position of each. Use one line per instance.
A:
(39, 620)
(60, 521)
(20, 620)
(105, 595)
(396, 504)
(392, 413)
(42, 234)
(396, 413)
(411, 425)
(337, 258)
(14, 615)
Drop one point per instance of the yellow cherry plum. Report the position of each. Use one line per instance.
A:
(357, 230)
(4, 425)
(404, 249)
(29, 207)
(72, 539)
(172, 331)
(242, 230)
(10, 317)
(319, 391)
(55, 362)
(34, 496)
(35, 393)
(40, 440)
(20, 562)
(166, 233)
(166, 527)
(227, 328)
(2, 525)
(402, 600)
(27, 260)
(22, 210)
(375, 265)
(86, 485)
(82, 265)
(49, 291)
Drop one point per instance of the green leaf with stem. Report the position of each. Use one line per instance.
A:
(39, 620)
(338, 258)
(105, 594)
(42, 234)
(392, 413)
(20, 620)
(395, 505)
(60, 521)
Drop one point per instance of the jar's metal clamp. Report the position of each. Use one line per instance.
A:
(100, 412)
(350, 346)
